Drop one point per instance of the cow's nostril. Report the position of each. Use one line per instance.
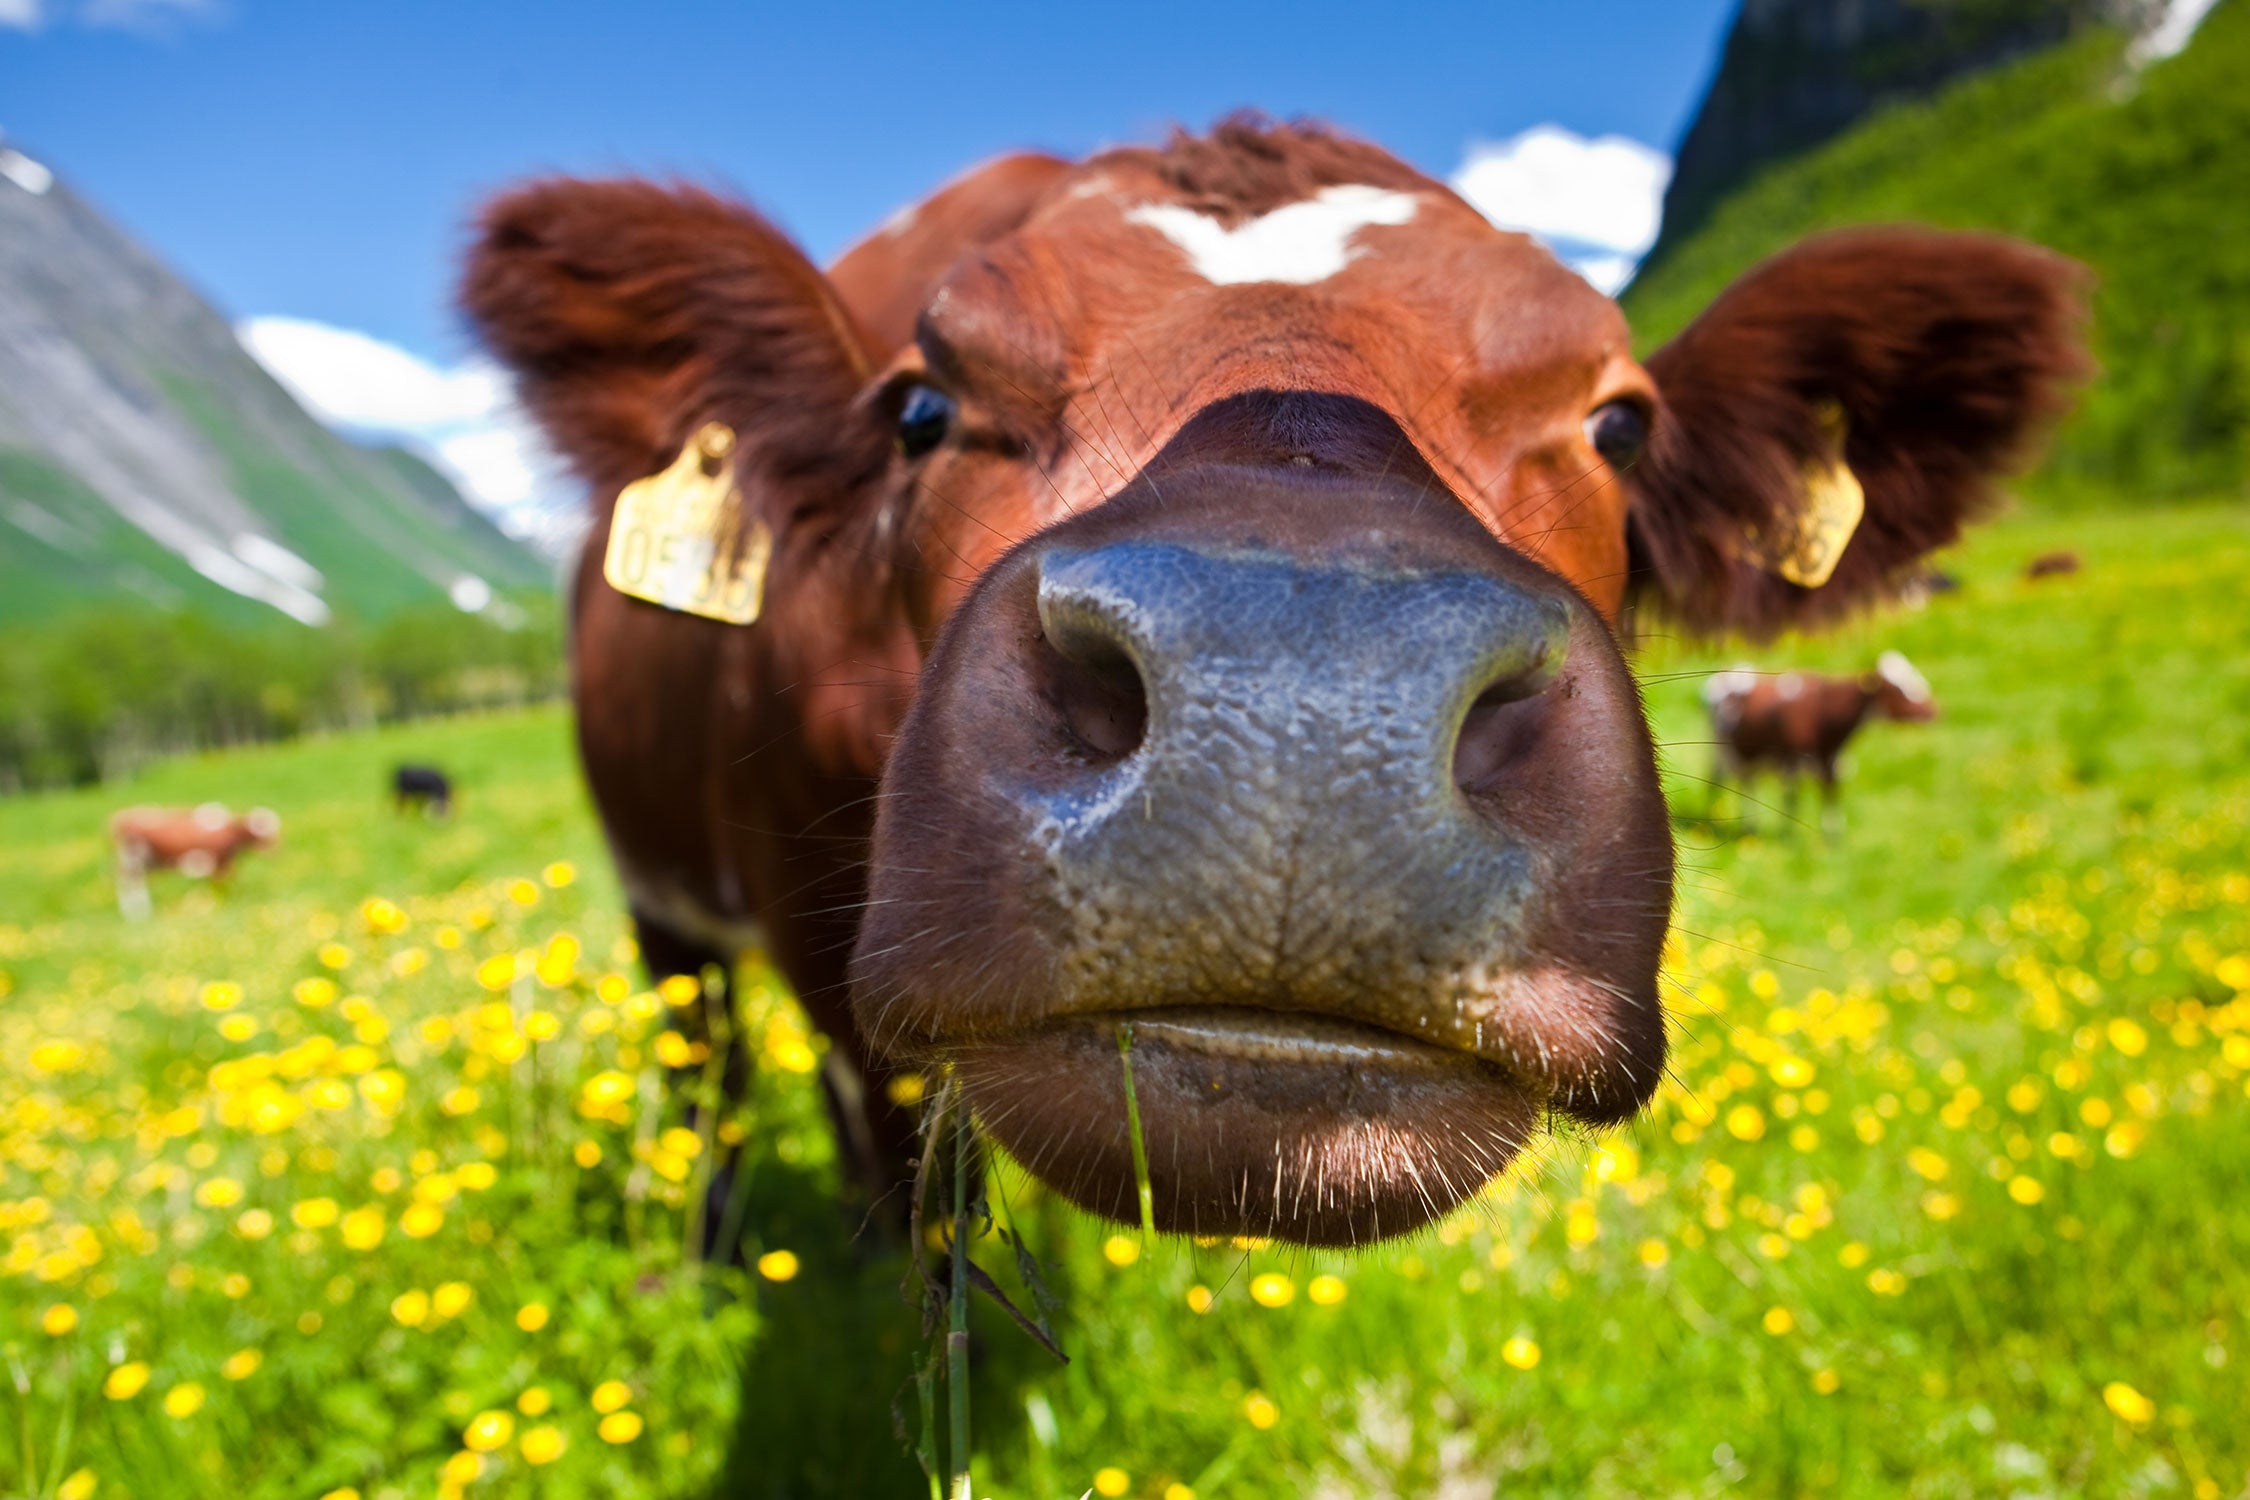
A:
(1499, 731)
(1097, 691)
(1505, 719)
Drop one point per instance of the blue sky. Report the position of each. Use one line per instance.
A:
(316, 160)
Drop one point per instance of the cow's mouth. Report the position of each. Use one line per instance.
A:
(1302, 1127)
(1282, 1037)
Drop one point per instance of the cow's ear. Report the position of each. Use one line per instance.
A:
(1840, 411)
(632, 313)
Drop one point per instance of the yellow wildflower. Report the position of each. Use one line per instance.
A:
(242, 1364)
(421, 1220)
(452, 1298)
(1111, 1482)
(79, 1486)
(2128, 1403)
(535, 1401)
(1325, 1291)
(1520, 1352)
(620, 1427)
(125, 1382)
(363, 1228)
(1272, 1289)
(778, 1265)
(218, 1192)
(1121, 1250)
(411, 1307)
(1261, 1411)
(531, 1317)
(488, 1430)
(59, 1319)
(183, 1400)
(542, 1445)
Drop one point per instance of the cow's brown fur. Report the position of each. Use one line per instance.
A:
(201, 842)
(1797, 724)
(1104, 392)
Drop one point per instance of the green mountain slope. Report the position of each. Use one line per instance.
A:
(2145, 177)
(147, 460)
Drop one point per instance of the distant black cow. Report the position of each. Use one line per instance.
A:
(423, 787)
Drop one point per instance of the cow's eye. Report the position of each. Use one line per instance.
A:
(1619, 433)
(923, 418)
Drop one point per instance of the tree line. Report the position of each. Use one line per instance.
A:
(94, 696)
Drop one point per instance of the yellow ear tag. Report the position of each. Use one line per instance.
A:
(1831, 512)
(674, 537)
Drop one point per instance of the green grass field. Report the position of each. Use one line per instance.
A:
(354, 1179)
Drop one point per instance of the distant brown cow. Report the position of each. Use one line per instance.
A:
(1182, 590)
(2051, 565)
(199, 842)
(1799, 722)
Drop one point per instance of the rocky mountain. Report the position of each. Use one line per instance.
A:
(1796, 73)
(144, 456)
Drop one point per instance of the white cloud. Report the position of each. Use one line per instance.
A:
(464, 419)
(349, 379)
(1597, 202)
(1608, 273)
(150, 17)
(500, 463)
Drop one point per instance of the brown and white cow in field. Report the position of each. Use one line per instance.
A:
(199, 842)
(1192, 587)
(1797, 723)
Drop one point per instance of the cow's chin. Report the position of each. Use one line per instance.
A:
(1297, 1128)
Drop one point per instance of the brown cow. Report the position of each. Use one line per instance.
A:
(199, 842)
(1799, 722)
(1208, 620)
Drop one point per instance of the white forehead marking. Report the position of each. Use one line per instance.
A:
(1896, 670)
(1299, 243)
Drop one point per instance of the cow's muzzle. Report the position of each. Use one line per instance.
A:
(1352, 830)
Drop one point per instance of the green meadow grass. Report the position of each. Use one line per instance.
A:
(354, 1178)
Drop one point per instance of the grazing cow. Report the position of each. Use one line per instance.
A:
(1797, 722)
(422, 787)
(1177, 597)
(2051, 565)
(199, 842)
